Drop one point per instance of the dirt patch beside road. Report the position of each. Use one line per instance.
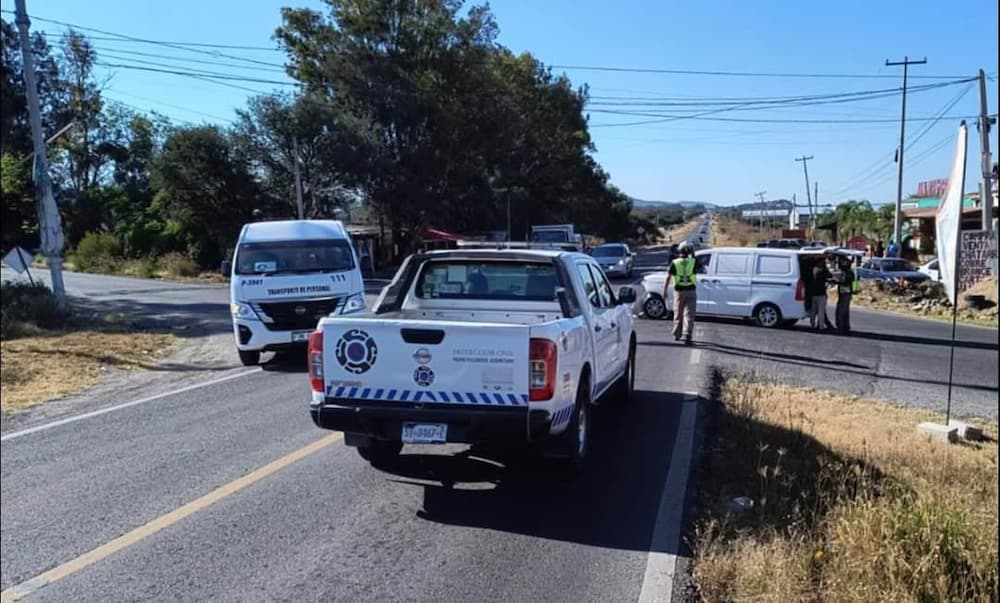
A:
(726, 232)
(53, 365)
(807, 495)
(928, 300)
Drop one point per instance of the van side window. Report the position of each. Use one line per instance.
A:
(732, 264)
(701, 263)
(774, 265)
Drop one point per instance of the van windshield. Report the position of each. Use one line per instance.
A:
(294, 257)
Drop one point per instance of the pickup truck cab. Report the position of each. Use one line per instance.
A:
(285, 276)
(476, 346)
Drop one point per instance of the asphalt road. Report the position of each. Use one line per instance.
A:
(229, 492)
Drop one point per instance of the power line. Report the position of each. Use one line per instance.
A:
(104, 51)
(742, 73)
(198, 74)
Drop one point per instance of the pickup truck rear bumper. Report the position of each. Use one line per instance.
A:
(465, 425)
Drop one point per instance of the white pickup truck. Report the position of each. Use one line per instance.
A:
(477, 346)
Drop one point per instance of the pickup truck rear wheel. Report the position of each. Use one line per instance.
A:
(380, 451)
(578, 432)
(249, 357)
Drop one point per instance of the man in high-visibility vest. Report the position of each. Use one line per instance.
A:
(847, 285)
(685, 292)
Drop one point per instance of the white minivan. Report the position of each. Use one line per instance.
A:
(285, 277)
(741, 282)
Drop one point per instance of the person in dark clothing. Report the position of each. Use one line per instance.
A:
(847, 285)
(816, 291)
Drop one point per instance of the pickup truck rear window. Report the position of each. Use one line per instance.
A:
(525, 281)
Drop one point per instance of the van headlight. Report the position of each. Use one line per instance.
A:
(241, 310)
(353, 303)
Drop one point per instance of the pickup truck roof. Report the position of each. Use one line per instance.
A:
(292, 230)
(497, 254)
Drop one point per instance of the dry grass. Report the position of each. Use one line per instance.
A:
(50, 365)
(851, 503)
(871, 296)
(726, 232)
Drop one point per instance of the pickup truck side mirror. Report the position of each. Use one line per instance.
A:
(227, 268)
(626, 295)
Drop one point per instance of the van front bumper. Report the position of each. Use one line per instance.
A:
(252, 335)
(384, 421)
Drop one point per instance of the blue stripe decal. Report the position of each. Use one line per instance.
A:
(444, 396)
(485, 397)
(392, 394)
(405, 395)
(431, 396)
(418, 395)
(512, 398)
(378, 394)
(365, 392)
(498, 398)
(472, 398)
(458, 397)
(524, 398)
(353, 393)
(340, 391)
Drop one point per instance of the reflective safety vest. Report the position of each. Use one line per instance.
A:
(853, 287)
(684, 267)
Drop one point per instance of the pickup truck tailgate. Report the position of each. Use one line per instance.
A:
(426, 361)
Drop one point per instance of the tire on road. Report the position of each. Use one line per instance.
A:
(654, 307)
(767, 315)
(249, 357)
(625, 385)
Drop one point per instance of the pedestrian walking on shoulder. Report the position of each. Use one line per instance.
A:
(847, 285)
(816, 290)
(681, 271)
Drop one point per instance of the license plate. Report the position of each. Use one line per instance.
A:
(425, 433)
(300, 336)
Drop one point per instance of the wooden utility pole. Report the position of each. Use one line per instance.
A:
(50, 224)
(898, 222)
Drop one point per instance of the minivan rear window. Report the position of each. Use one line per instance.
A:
(774, 265)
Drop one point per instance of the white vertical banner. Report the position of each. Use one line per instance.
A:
(949, 217)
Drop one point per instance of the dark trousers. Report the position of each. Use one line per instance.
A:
(844, 313)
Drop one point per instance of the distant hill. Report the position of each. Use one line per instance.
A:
(645, 204)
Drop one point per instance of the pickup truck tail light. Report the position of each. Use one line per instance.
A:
(316, 360)
(542, 379)
(800, 290)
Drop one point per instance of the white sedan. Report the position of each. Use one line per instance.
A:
(931, 269)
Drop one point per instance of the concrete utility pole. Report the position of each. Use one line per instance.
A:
(760, 196)
(985, 124)
(805, 168)
(812, 216)
(298, 178)
(898, 222)
(48, 213)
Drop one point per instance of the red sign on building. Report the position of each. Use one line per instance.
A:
(932, 188)
(860, 243)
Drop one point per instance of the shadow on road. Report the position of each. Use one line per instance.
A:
(195, 319)
(976, 345)
(613, 505)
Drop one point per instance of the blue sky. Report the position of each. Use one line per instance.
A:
(687, 159)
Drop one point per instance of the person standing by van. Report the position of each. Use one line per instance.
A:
(685, 292)
(816, 290)
(847, 285)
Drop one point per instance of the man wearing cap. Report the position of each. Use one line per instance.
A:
(847, 285)
(685, 292)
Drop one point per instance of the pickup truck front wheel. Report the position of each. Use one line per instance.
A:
(380, 451)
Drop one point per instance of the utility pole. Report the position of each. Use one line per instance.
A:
(760, 196)
(48, 213)
(805, 168)
(298, 178)
(985, 124)
(898, 222)
(812, 215)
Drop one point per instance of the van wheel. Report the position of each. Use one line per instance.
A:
(249, 357)
(767, 316)
(380, 451)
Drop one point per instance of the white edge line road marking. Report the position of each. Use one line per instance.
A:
(164, 521)
(658, 581)
(696, 357)
(102, 411)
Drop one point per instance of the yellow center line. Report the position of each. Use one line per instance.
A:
(163, 521)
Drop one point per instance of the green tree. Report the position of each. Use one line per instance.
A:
(205, 191)
(19, 221)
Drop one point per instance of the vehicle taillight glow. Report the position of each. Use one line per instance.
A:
(800, 290)
(542, 379)
(316, 360)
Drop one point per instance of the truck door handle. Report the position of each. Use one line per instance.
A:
(597, 328)
(614, 326)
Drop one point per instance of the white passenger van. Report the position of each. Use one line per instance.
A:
(285, 276)
(762, 284)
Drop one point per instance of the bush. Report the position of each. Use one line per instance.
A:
(25, 307)
(178, 264)
(98, 252)
(141, 268)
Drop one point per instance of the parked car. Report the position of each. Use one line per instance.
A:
(615, 259)
(931, 269)
(477, 346)
(891, 269)
(744, 282)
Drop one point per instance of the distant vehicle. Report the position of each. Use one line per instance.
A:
(891, 269)
(285, 276)
(503, 346)
(931, 269)
(787, 243)
(561, 236)
(742, 282)
(615, 259)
